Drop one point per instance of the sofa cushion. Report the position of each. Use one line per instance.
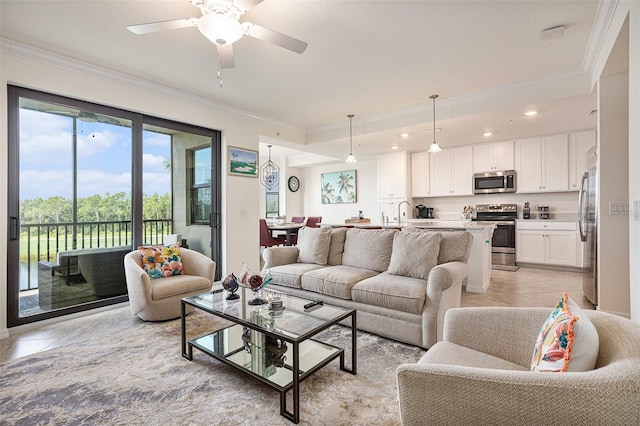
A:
(368, 248)
(568, 341)
(414, 254)
(313, 245)
(178, 284)
(452, 354)
(336, 247)
(290, 275)
(395, 292)
(335, 281)
(455, 246)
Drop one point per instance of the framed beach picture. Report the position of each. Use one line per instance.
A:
(338, 187)
(243, 162)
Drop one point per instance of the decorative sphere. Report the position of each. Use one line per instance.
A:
(230, 283)
(255, 281)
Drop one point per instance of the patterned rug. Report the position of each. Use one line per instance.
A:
(135, 375)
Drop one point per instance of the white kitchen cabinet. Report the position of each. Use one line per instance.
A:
(547, 243)
(542, 164)
(491, 157)
(420, 174)
(393, 175)
(579, 144)
(451, 172)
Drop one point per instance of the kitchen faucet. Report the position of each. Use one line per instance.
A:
(399, 205)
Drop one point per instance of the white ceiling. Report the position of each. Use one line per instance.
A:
(380, 60)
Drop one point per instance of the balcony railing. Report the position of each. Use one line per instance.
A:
(42, 241)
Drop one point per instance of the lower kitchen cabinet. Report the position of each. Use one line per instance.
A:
(547, 243)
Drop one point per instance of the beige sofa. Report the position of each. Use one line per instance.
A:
(479, 374)
(400, 282)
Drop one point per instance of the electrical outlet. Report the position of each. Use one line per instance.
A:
(619, 208)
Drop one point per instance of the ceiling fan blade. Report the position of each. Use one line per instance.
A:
(274, 37)
(172, 24)
(227, 59)
(247, 4)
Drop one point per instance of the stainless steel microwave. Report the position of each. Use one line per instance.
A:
(494, 182)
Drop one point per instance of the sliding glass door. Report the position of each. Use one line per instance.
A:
(87, 184)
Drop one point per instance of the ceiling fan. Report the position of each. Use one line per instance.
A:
(220, 23)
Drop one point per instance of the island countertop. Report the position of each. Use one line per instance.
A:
(466, 225)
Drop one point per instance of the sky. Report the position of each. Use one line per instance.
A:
(104, 157)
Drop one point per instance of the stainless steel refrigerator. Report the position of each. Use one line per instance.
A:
(588, 224)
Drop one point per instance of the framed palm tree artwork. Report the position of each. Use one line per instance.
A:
(338, 187)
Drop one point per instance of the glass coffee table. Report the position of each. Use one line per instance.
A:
(276, 347)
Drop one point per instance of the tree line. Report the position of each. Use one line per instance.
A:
(96, 208)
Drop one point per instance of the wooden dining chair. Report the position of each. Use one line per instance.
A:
(266, 239)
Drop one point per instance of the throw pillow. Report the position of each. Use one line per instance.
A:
(336, 247)
(162, 261)
(568, 341)
(313, 245)
(414, 254)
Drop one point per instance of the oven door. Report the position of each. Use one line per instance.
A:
(504, 238)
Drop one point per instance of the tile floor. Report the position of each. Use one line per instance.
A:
(526, 287)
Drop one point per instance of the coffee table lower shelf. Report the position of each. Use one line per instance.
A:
(252, 356)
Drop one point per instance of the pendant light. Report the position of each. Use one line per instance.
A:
(434, 146)
(351, 158)
(269, 173)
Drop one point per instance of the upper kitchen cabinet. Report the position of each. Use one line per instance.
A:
(420, 174)
(452, 172)
(393, 175)
(542, 164)
(579, 144)
(491, 157)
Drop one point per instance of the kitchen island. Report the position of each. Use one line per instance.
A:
(479, 262)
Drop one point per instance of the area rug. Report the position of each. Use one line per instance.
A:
(135, 375)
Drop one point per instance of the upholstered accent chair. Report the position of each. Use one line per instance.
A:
(159, 299)
(297, 219)
(480, 374)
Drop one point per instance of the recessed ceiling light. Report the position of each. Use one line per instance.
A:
(394, 147)
(530, 113)
(487, 134)
(404, 135)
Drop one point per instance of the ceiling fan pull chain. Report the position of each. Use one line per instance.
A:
(219, 75)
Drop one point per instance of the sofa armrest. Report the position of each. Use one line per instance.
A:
(138, 283)
(276, 256)
(506, 332)
(428, 392)
(196, 263)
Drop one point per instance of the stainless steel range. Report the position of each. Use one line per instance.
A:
(503, 242)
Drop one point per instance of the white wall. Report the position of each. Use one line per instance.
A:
(613, 179)
(240, 197)
(366, 184)
(634, 158)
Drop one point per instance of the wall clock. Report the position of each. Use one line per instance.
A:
(294, 184)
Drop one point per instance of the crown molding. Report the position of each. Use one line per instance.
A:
(609, 18)
(572, 83)
(64, 62)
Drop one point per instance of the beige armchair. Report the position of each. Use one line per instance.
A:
(159, 299)
(479, 374)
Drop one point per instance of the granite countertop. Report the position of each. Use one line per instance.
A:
(422, 223)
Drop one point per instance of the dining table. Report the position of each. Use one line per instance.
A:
(289, 228)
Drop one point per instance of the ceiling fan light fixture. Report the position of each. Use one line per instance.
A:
(434, 145)
(221, 29)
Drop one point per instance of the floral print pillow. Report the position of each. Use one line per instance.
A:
(568, 341)
(161, 261)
